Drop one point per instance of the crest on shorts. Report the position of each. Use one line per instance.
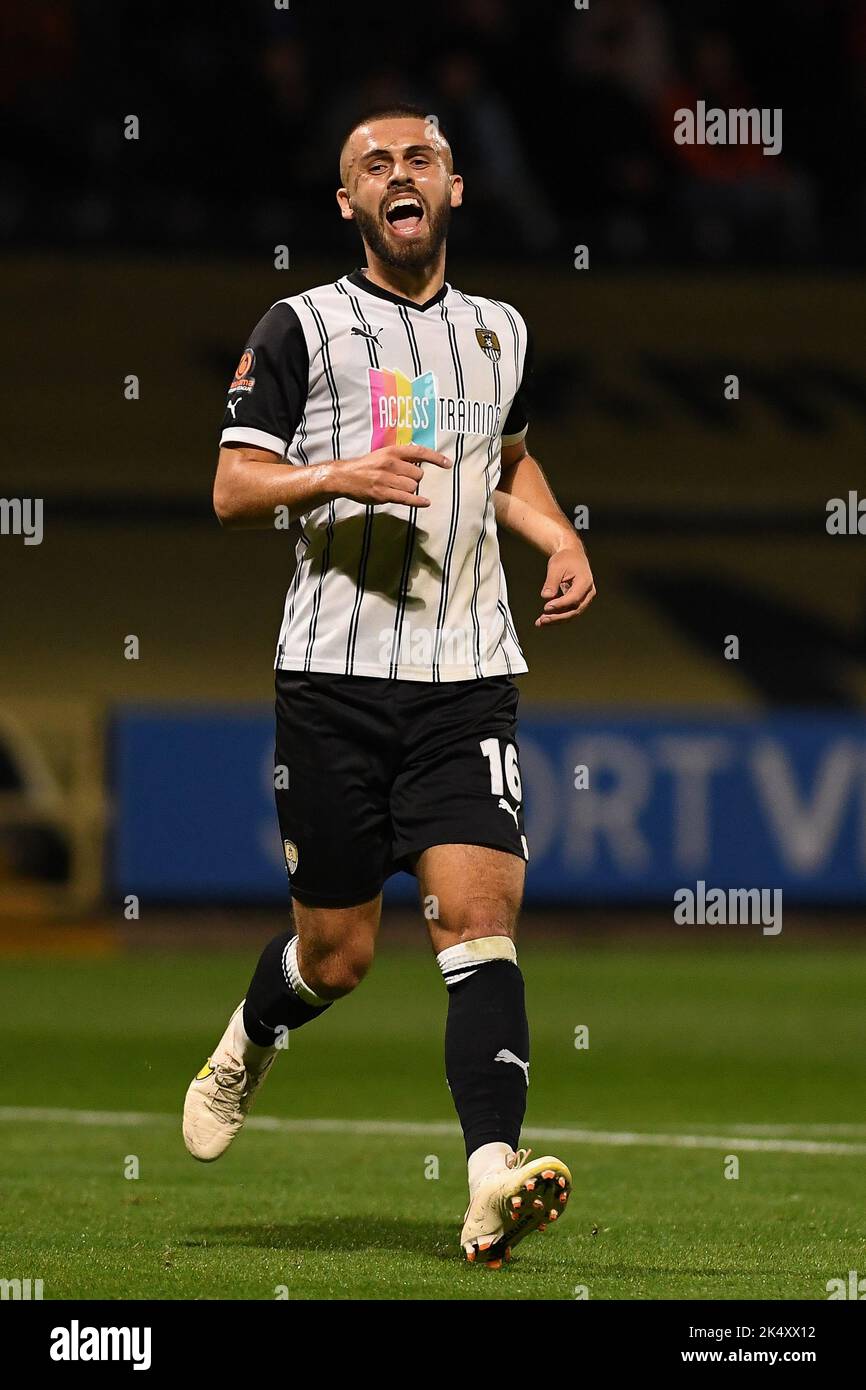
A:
(488, 341)
(290, 849)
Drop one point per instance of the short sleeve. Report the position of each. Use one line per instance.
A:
(517, 422)
(268, 392)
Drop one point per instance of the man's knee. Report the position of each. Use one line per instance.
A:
(334, 971)
(335, 946)
(479, 917)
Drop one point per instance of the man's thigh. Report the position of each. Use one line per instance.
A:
(459, 780)
(333, 759)
(468, 892)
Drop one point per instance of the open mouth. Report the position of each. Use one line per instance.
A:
(405, 215)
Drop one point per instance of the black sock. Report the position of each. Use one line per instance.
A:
(271, 1003)
(486, 1021)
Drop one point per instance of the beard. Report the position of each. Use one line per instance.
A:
(414, 254)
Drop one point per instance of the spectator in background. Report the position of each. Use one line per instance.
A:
(39, 54)
(288, 99)
(733, 190)
(38, 50)
(624, 44)
(502, 191)
(856, 50)
(618, 62)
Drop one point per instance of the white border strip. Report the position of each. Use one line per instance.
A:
(240, 434)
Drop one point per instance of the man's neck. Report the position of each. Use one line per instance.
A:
(417, 285)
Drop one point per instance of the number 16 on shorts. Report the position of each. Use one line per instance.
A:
(505, 774)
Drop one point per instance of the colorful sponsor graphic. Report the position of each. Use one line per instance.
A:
(402, 411)
(243, 379)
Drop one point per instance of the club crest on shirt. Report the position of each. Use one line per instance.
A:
(488, 341)
(243, 379)
(290, 849)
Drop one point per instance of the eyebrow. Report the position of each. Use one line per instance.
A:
(408, 150)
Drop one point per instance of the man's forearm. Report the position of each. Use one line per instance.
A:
(543, 532)
(250, 488)
(524, 503)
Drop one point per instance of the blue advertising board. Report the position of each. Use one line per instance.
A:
(617, 808)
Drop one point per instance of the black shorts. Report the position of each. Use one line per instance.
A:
(379, 770)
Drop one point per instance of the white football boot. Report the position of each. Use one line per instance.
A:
(511, 1202)
(220, 1095)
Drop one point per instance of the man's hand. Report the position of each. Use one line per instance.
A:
(392, 474)
(568, 588)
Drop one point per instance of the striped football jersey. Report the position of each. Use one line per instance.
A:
(347, 368)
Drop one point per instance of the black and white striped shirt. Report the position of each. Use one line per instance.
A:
(341, 370)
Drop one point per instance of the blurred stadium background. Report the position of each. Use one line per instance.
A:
(152, 777)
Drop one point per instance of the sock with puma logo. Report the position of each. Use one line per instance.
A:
(486, 1040)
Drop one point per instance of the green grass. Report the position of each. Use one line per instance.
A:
(682, 1040)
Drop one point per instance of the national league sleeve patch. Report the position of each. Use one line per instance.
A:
(244, 379)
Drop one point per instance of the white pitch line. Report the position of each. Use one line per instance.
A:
(127, 1119)
(852, 1131)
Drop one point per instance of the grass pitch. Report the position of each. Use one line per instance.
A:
(761, 1041)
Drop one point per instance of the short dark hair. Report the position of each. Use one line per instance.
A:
(389, 112)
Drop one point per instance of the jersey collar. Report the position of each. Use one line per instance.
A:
(359, 279)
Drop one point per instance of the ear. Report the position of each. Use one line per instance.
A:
(345, 205)
(456, 190)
